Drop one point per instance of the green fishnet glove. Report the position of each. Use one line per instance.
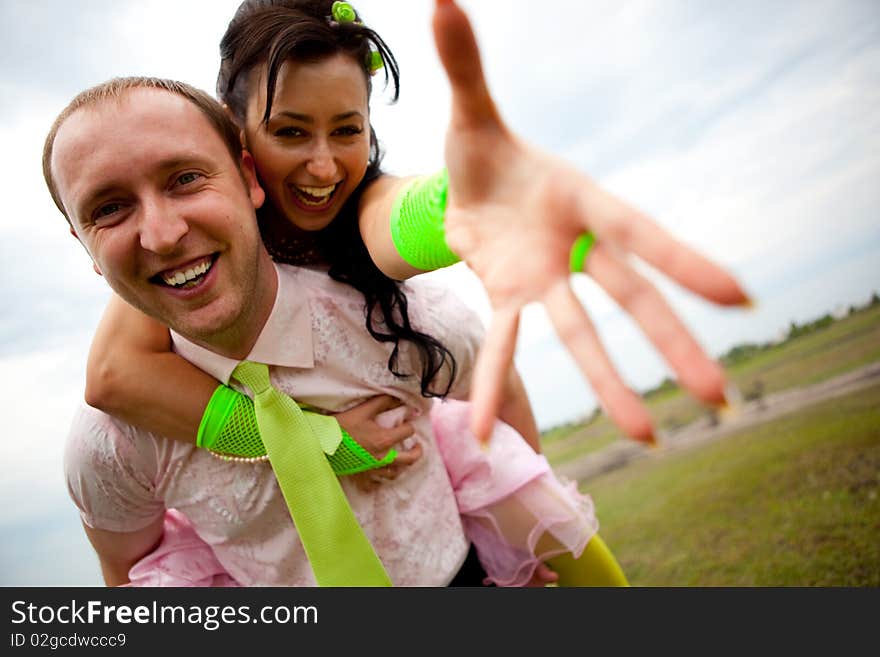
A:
(229, 426)
(350, 457)
(345, 454)
(417, 223)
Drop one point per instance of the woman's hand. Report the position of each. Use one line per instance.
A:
(513, 215)
(364, 425)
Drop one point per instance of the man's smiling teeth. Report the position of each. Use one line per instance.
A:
(182, 277)
(314, 195)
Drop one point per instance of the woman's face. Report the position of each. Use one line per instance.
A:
(313, 152)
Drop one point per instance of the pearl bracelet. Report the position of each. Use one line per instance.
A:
(238, 459)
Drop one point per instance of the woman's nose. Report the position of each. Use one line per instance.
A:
(321, 163)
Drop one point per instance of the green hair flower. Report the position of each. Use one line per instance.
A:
(343, 12)
(375, 61)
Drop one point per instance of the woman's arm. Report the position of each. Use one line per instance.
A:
(516, 410)
(133, 375)
(513, 214)
(402, 222)
(374, 216)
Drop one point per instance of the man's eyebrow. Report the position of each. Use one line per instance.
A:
(162, 167)
(84, 207)
(97, 196)
(178, 162)
(104, 190)
(305, 118)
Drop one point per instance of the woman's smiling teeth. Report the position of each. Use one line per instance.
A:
(187, 277)
(314, 196)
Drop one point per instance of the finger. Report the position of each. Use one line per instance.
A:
(400, 432)
(378, 404)
(460, 55)
(380, 443)
(408, 456)
(490, 370)
(576, 332)
(698, 373)
(617, 223)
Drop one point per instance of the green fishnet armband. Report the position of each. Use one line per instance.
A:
(580, 250)
(350, 457)
(229, 427)
(417, 223)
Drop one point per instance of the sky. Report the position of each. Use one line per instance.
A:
(749, 130)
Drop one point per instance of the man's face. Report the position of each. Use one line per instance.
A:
(165, 213)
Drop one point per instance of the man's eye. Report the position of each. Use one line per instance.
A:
(107, 210)
(187, 178)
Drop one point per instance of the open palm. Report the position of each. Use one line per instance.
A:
(513, 214)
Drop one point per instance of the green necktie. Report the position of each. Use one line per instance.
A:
(338, 550)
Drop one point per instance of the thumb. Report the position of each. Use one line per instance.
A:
(380, 404)
(460, 55)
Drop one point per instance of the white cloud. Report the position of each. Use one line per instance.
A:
(748, 129)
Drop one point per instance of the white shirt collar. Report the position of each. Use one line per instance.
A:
(286, 338)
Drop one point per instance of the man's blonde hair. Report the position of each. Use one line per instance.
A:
(115, 89)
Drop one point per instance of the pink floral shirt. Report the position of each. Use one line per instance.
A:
(122, 478)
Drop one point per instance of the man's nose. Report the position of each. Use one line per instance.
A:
(161, 227)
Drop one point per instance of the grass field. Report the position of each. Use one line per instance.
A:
(845, 345)
(794, 502)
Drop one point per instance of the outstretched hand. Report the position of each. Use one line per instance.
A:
(513, 214)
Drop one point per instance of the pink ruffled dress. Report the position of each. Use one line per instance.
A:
(181, 559)
(514, 509)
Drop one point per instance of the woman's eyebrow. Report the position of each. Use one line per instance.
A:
(347, 115)
(305, 118)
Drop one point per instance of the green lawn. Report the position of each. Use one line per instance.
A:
(845, 345)
(794, 502)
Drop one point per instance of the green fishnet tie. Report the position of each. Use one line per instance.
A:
(338, 550)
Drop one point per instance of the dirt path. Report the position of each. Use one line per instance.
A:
(740, 417)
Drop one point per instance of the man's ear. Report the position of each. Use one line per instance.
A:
(76, 237)
(249, 173)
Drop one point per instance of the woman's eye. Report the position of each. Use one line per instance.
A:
(187, 178)
(288, 132)
(349, 131)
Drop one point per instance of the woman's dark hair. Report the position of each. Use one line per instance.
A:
(272, 32)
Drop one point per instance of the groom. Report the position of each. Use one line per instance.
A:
(152, 179)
